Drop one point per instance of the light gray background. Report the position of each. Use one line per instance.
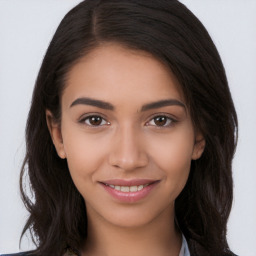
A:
(26, 27)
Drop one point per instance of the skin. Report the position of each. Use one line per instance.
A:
(126, 143)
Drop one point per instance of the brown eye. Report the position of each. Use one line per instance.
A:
(95, 121)
(161, 121)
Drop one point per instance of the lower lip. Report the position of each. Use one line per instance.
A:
(130, 197)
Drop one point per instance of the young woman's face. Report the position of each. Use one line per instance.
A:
(127, 135)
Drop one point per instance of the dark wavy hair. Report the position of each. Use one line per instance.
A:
(172, 34)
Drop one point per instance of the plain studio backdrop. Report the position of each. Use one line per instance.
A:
(26, 28)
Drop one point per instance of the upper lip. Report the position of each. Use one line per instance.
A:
(133, 182)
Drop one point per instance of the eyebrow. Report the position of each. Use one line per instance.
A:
(109, 106)
(162, 103)
(93, 102)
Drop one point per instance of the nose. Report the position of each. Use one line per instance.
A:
(127, 150)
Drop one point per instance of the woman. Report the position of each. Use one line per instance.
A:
(130, 135)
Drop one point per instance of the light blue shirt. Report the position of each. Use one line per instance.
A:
(184, 251)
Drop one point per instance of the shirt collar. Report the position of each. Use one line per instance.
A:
(184, 251)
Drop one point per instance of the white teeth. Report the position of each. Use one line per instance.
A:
(118, 188)
(140, 187)
(127, 188)
(133, 189)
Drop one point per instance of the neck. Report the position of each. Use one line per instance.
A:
(159, 237)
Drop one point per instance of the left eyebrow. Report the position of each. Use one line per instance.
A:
(162, 103)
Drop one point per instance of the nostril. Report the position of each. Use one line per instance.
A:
(128, 162)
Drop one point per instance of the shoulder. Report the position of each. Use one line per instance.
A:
(17, 254)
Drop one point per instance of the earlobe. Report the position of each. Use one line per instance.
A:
(55, 132)
(198, 147)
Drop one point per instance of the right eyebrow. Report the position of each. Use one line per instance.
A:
(92, 102)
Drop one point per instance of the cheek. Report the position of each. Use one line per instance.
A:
(172, 155)
(84, 156)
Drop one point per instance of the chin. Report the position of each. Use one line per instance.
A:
(130, 217)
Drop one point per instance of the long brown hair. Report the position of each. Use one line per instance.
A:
(171, 33)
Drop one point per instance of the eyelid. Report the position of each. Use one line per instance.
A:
(82, 119)
(173, 120)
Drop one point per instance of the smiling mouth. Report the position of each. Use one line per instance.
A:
(127, 188)
(129, 191)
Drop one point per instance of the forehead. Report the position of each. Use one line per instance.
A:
(112, 72)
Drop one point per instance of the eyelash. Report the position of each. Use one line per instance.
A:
(84, 119)
(171, 121)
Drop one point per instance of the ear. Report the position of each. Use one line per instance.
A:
(55, 132)
(198, 146)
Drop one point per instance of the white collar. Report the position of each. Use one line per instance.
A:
(184, 251)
